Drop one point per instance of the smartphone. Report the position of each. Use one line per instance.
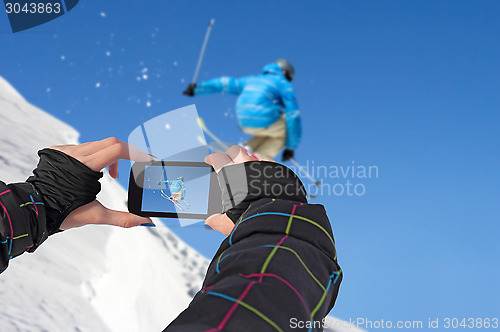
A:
(174, 189)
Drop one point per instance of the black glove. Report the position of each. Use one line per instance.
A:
(190, 90)
(65, 184)
(287, 155)
(243, 184)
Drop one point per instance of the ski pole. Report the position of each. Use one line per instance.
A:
(202, 53)
(313, 180)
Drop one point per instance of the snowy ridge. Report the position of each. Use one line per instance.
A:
(96, 278)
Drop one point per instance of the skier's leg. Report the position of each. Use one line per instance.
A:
(270, 148)
(255, 141)
(177, 196)
(273, 139)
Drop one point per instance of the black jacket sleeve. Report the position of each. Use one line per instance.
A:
(31, 211)
(277, 271)
(22, 221)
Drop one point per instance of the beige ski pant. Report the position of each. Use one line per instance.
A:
(177, 196)
(267, 142)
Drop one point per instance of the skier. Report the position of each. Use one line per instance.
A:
(278, 264)
(177, 189)
(266, 108)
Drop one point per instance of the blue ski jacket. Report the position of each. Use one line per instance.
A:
(176, 186)
(262, 100)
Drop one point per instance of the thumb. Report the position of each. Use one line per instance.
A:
(123, 219)
(96, 213)
(221, 223)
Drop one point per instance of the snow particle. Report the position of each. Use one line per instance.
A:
(103, 14)
(108, 53)
(148, 104)
(145, 77)
(175, 63)
(63, 57)
(48, 90)
(167, 126)
(183, 80)
(98, 85)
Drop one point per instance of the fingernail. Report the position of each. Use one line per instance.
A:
(152, 156)
(208, 228)
(148, 224)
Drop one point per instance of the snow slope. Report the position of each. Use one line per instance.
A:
(96, 278)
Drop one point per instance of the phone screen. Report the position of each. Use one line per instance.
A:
(176, 189)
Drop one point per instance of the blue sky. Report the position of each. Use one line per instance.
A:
(408, 86)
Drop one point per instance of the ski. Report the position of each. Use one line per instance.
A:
(164, 195)
(313, 180)
(203, 127)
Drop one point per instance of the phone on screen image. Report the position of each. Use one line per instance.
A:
(174, 189)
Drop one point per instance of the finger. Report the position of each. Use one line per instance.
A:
(238, 154)
(123, 219)
(113, 170)
(220, 223)
(67, 149)
(218, 160)
(87, 149)
(95, 213)
(58, 147)
(113, 153)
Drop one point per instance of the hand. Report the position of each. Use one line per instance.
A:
(234, 155)
(189, 90)
(96, 156)
(287, 155)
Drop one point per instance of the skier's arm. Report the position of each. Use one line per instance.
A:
(292, 114)
(229, 85)
(22, 221)
(278, 264)
(61, 195)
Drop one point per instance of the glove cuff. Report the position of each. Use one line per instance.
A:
(65, 185)
(243, 184)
